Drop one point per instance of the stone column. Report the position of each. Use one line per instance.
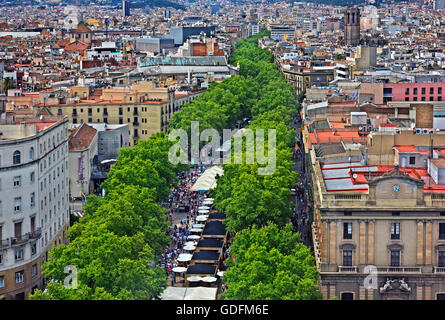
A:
(362, 240)
(419, 292)
(332, 242)
(332, 291)
(371, 225)
(370, 294)
(324, 242)
(362, 293)
(428, 292)
(420, 260)
(324, 292)
(428, 242)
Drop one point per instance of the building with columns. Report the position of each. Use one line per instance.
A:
(379, 228)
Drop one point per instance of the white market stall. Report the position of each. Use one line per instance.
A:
(207, 180)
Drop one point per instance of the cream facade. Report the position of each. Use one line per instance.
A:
(146, 110)
(34, 202)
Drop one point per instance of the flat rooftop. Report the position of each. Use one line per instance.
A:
(353, 176)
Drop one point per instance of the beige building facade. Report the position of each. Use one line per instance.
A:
(145, 109)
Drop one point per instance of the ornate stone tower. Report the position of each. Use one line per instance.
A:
(352, 26)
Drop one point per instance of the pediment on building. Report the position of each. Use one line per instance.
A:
(347, 246)
(396, 188)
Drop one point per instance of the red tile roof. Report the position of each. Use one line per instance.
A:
(409, 148)
(439, 163)
(81, 27)
(81, 137)
(76, 46)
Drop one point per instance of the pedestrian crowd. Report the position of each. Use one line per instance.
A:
(181, 200)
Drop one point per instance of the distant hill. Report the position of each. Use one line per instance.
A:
(154, 3)
(133, 3)
(344, 3)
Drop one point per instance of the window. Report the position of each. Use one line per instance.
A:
(32, 200)
(1, 259)
(34, 248)
(423, 90)
(17, 181)
(18, 254)
(439, 90)
(347, 257)
(431, 90)
(441, 231)
(33, 270)
(2, 281)
(32, 177)
(423, 98)
(441, 258)
(407, 91)
(439, 296)
(16, 157)
(17, 204)
(415, 99)
(20, 276)
(347, 230)
(31, 153)
(395, 258)
(415, 90)
(412, 160)
(347, 296)
(395, 231)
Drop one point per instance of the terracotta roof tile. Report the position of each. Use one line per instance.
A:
(81, 137)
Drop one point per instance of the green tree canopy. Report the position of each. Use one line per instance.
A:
(270, 263)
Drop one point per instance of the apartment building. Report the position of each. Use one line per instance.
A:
(145, 109)
(34, 202)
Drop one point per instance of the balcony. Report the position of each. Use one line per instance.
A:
(391, 270)
(36, 234)
(439, 270)
(349, 269)
(19, 240)
(4, 243)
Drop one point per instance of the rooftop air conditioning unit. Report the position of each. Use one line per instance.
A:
(425, 131)
(418, 131)
(432, 131)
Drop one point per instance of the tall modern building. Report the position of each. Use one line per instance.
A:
(125, 8)
(34, 201)
(352, 26)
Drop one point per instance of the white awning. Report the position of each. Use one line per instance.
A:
(193, 293)
(207, 180)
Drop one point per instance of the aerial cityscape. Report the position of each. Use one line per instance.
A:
(222, 150)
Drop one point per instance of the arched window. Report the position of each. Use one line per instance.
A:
(347, 296)
(31, 153)
(16, 157)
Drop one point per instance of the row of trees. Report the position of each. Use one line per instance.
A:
(115, 245)
(267, 260)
